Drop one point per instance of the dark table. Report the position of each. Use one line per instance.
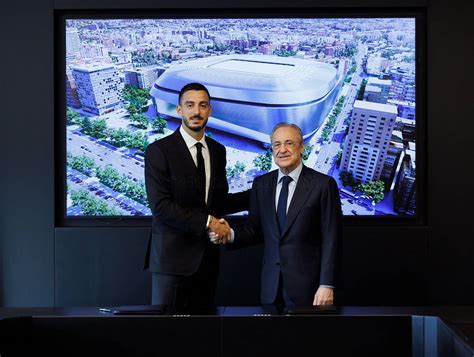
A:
(241, 331)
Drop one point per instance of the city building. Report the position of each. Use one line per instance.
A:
(406, 110)
(93, 51)
(391, 162)
(405, 187)
(73, 42)
(343, 67)
(384, 85)
(98, 86)
(407, 128)
(368, 139)
(373, 94)
(72, 97)
(143, 77)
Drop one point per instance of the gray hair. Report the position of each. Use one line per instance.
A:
(287, 125)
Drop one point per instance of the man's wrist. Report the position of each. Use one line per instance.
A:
(209, 221)
(326, 286)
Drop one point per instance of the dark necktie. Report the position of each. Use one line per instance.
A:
(201, 183)
(282, 202)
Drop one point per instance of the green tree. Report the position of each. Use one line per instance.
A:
(139, 120)
(86, 124)
(118, 137)
(121, 183)
(137, 141)
(348, 180)
(263, 161)
(159, 125)
(99, 128)
(90, 205)
(326, 132)
(82, 163)
(96, 128)
(72, 117)
(339, 157)
(307, 151)
(360, 95)
(239, 168)
(109, 176)
(373, 189)
(147, 58)
(284, 53)
(135, 98)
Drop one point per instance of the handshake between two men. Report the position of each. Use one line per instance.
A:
(219, 231)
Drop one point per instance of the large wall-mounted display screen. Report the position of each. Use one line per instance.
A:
(349, 83)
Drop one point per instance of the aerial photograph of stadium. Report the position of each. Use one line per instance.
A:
(348, 83)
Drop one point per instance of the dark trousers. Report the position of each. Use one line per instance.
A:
(282, 300)
(192, 294)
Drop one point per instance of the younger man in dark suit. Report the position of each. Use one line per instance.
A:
(187, 187)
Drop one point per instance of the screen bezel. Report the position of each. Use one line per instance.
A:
(60, 17)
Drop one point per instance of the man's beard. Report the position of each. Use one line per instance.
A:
(195, 128)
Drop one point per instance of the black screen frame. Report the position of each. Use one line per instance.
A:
(60, 16)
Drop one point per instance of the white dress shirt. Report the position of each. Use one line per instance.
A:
(295, 175)
(191, 144)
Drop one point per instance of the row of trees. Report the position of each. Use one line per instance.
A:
(141, 121)
(284, 53)
(120, 183)
(90, 205)
(98, 129)
(109, 176)
(331, 123)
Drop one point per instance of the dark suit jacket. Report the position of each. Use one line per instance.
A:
(306, 252)
(179, 237)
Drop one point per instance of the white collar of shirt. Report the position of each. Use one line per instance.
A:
(190, 141)
(295, 174)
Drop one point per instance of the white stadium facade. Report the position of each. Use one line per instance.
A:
(251, 93)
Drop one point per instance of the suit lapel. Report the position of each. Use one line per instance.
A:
(303, 188)
(183, 153)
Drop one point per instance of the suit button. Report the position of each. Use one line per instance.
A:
(277, 263)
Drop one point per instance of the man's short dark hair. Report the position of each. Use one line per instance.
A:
(192, 86)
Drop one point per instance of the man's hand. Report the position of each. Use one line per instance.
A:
(219, 231)
(324, 296)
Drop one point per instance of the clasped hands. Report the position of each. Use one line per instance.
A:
(219, 231)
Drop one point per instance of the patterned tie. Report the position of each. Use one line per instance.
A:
(282, 202)
(201, 184)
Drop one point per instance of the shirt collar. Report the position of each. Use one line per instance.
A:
(190, 141)
(295, 174)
